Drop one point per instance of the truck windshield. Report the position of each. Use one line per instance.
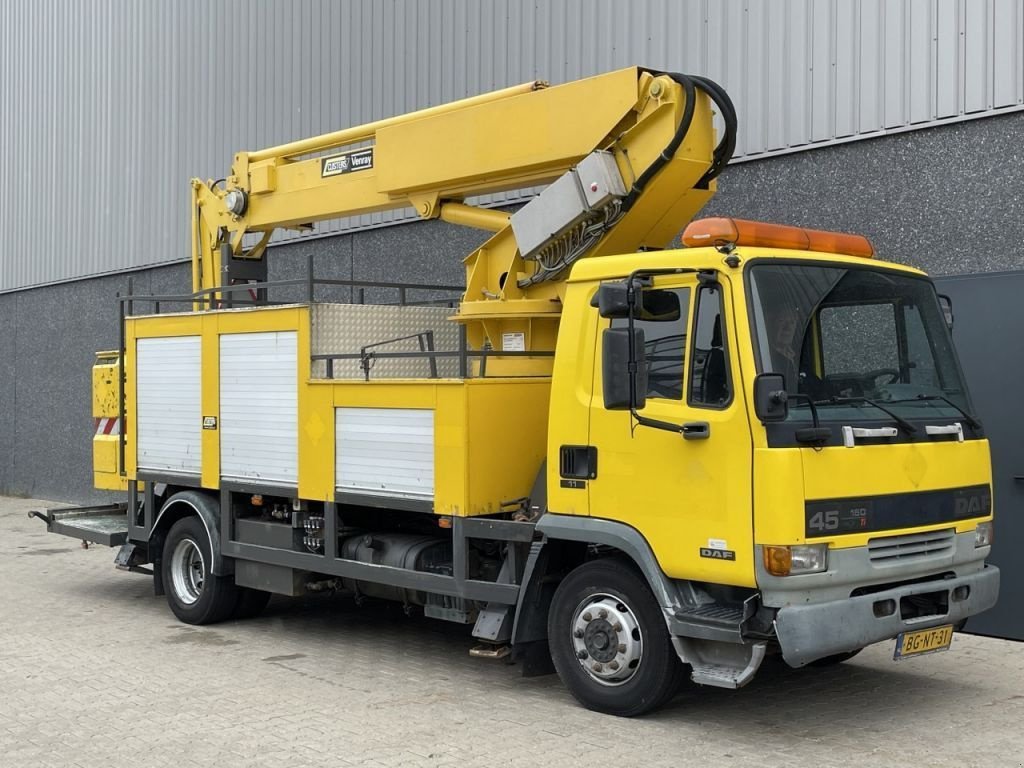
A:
(852, 340)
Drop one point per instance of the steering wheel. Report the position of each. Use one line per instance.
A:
(892, 373)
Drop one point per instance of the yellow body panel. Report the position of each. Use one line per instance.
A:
(788, 476)
(479, 145)
(106, 447)
(104, 464)
(104, 385)
(679, 494)
(474, 471)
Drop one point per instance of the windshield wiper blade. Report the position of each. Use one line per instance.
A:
(972, 422)
(905, 425)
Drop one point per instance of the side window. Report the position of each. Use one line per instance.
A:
(921, 361)
(709, 369)
(859, 338)
(665, 345)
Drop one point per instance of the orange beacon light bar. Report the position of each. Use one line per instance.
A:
(718, 231)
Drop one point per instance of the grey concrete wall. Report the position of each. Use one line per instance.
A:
(948, 199)
(47, 346)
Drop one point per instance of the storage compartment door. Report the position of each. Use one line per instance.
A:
(385, 452)
(168, 373)
(259, 407)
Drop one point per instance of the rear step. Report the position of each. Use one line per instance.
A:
(106, 525)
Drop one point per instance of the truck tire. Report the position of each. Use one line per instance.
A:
(195, 595)
(609, 642)
(251, 603)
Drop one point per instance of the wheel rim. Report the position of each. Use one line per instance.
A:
(607, 639)
(188, 569)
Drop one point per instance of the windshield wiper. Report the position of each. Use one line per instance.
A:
(905, 425)
(972, 422)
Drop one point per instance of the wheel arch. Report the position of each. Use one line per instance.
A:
(564, 543)
(190, 503)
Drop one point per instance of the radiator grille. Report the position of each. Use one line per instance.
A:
(911, 546)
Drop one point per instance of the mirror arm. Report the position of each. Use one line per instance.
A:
(631, 302)
(668, 426)
(810, 403)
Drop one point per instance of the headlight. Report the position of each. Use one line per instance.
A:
(795, 559)
(983, 534)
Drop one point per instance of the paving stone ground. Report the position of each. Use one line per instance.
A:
(96, 672)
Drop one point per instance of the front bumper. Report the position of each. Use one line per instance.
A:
(812, 631)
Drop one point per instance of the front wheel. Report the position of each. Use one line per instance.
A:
(194, 593)
(609, 642)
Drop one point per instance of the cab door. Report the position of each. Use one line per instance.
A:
(687, 492)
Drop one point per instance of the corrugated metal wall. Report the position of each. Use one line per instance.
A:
(108, 107)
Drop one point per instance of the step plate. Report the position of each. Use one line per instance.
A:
(106, 525)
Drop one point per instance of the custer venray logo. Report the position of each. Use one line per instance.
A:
(356, 160)
(337, 165)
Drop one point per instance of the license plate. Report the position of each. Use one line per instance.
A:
(923, 641)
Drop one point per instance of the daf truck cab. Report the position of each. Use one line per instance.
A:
(789, 430)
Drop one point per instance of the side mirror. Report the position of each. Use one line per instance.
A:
(620, 393)
(655, 306)
(771, 402)
(946, 304)
(611, 301)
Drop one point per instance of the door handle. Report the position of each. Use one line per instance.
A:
(696, 430)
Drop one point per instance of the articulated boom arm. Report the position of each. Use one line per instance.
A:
(630, 156)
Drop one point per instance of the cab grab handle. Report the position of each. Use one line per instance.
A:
(696, 430)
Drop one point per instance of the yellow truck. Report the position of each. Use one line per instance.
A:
(623, 462)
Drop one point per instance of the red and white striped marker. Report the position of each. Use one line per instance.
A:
(108, 426)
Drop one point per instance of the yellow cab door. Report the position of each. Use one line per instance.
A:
(688, 492)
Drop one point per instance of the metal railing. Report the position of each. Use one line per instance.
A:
(256, 293)
(247, 294)
(463, 354)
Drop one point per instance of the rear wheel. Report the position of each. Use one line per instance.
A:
(609, 642)
(194, 593)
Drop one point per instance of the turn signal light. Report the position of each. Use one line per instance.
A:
(727, 231)
(778, 560)
(795, 559)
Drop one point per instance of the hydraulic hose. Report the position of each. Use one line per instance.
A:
(726, 147)
(670, 150)
(723, 152)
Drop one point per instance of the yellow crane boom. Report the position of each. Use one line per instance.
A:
(641, 143)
